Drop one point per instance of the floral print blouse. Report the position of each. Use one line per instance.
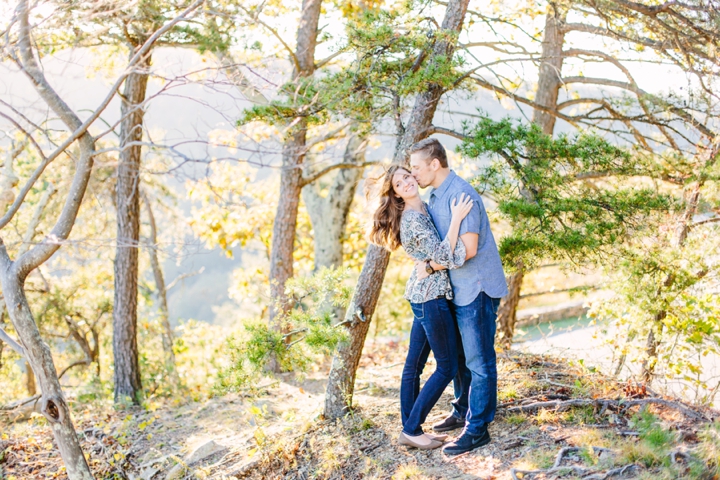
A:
(422, 242)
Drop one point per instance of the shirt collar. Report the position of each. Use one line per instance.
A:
(440, 191)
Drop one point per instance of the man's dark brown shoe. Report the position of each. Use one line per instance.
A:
(449, 423)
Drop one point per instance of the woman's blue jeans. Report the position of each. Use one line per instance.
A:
(433, 330)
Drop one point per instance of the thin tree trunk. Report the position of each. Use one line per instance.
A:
(507, 311)
(161, 291)
(341, 381)
(294, 149)
(127, 199)
(53, 405)
(549, 83)
(654, 335)
(2, 327)
(550, 71)
(30, 384)
(13, 274)
(329, 213)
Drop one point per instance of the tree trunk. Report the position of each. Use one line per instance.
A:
(550, 71)
(341, 381)
(127, 198)
(681, 232)
(2, 327)
(294, 149)
(30, 384)
(549, 83)
(161, 291)
(329, 213)
(37, 352)
(507, 311)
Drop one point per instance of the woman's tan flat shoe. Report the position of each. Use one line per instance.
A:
(407, 440)
(437, 436)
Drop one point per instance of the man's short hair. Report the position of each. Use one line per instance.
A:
(432, 148)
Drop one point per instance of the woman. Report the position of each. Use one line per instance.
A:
(402, 219)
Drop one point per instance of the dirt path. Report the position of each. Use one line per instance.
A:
(276, 431)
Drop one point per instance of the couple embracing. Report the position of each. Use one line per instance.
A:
(454, 292)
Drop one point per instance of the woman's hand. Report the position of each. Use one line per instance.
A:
(420, 270)
(460, 207)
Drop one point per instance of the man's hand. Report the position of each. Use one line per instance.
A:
(420, 270)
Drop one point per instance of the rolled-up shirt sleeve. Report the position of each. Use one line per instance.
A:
(471, 223)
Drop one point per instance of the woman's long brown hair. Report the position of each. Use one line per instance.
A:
(385, 230)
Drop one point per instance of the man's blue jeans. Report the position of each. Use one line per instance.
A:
(433, 329)
(476, 382)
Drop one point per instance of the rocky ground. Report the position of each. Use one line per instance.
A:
(555, 420)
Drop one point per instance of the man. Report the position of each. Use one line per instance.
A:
(477, 286)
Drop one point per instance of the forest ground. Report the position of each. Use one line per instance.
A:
(555, 419)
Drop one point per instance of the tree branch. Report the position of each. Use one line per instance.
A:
(306, 180)
(179, 278)
(445, 131)
(13, 344)
(705, 222)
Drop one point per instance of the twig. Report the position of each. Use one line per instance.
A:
(183, 277)
(20, 403)
(625, 404)
(563, 451)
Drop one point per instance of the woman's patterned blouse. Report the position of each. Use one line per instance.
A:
(422, 242)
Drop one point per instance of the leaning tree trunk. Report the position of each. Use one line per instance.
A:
(549, 83)
(13, 274)
(127, 200)
(293, 155)
(53, 405)
(341, 382)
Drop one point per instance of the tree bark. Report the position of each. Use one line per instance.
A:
(507, 311)
(13, 274)
(341, 381)
(549, 83)
(329, 213)
(293, 155)
(550, 71)
(53, 405)
(30, 384)
(127, 199)
(161, 291)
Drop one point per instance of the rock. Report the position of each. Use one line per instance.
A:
(176, 472)
(148, 473)
(205, 450)
(243, 469)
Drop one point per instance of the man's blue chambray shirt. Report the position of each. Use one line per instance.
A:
(483, 272)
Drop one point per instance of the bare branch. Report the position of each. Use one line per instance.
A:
(74, 364)
(445, 131)
(13, 344)
(256, 17)
(705, 222)
(315, 176)
(183, 277)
